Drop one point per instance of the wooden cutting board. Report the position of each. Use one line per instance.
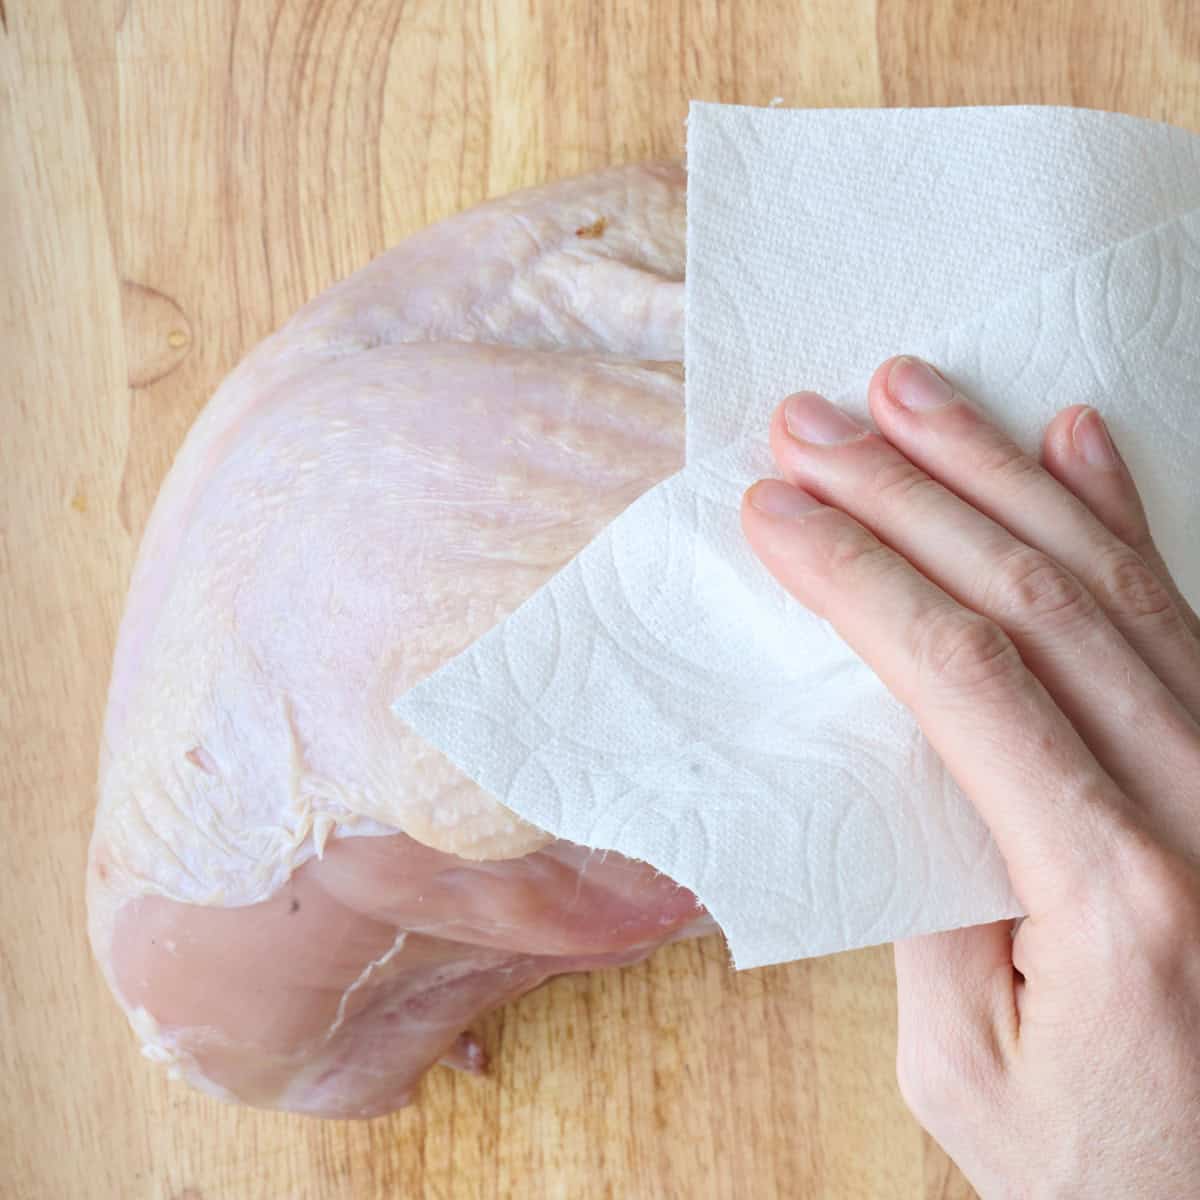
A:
(178, 176)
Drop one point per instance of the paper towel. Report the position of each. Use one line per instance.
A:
(661, 696)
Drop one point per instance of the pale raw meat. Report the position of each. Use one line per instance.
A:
(299, 903)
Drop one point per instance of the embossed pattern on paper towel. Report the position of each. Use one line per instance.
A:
(663, 698)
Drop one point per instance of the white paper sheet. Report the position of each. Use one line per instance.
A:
(661, 696)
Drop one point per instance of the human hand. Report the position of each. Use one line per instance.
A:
(1024, 615)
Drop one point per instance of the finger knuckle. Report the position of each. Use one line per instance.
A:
(1030, 587)
(897, 480)
(962, 650)
(1007, 463)
(1127, 587)
(852, 552)
(1162, 899)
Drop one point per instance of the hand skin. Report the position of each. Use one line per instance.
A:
(1022, 612)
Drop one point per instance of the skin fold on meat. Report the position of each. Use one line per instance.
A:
(298, 903)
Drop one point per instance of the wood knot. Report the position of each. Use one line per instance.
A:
(157, 334)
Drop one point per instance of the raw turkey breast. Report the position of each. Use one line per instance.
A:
(298, 903)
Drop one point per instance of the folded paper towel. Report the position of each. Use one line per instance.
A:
(661, 696)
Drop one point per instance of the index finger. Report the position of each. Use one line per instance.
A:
(1054, 812)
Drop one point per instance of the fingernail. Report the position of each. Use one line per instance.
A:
(811, 418)
(916, 385)
(778, 499)
(1091, 439)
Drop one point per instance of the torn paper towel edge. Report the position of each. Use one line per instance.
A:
(524, 715)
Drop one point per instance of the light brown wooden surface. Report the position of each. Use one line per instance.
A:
(177, 178)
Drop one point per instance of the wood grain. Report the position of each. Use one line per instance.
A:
(177, 179)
